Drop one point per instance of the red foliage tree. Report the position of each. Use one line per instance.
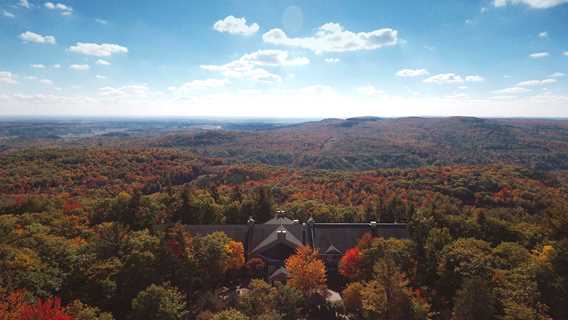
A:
(350, 263)
(49, 309)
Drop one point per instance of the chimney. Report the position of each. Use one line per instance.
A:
(281, 234)
(250, 221)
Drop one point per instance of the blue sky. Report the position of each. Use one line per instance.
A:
(284, 58)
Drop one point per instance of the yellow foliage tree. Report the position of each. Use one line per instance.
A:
(307, 272)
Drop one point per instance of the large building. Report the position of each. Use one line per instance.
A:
(278, 238)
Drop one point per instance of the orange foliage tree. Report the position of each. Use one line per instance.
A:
(307, 272)
(236, 253)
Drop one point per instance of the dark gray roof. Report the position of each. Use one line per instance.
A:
(332, 250)
(340, 237)
(279, 220)
(343, 236)
(272, 238)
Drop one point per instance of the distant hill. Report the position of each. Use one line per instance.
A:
(370, 142)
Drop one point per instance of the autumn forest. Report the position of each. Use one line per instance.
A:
(93, 216)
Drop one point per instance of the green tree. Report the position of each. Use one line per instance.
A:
(81, 311)
(462, 259)
(475, 300)
(230, 314)
(384, 297)
(159, 302)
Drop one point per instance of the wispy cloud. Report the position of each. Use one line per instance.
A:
(24, 4)
(537, 4)
(452, 78)
(65, 10)
(102, 62)
(512, 91)
(411, 73)
(32, 37)
(98, 50)
(535, 83)
(8, 14)
(7, 77)
(80, 67)
(539, 55)
(252, 66)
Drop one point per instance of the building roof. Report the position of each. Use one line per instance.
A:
(343, 236)
(281, 232)
(278, 219)
(279, 235)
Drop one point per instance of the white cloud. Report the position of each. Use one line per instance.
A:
(7, 14)
(332, 37)
(33, 37)
(64, 9)
(98, 76)
(46, 82)
(512, 91)
(102, 62)
(236, 26)
(101, 21)
(543, 35)
(411, 73)
(535, 83)
(7, 77)
(250, 66)
(462, 87)
(24, 4)
(38, 66)
(98, 50)
(537, 4)
(332, 60)
(445, 78)
(565, 53)
(80, 67)
(539, 55)
(274, 58)
(557, 75)
(56, 66)
(474, 78)
(129, 91)
(199, 85)
(369, 90)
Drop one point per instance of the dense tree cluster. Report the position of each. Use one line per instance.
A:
(98, 234)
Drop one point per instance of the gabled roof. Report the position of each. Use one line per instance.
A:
(332, 250)
(280, 220)
(273, 238)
